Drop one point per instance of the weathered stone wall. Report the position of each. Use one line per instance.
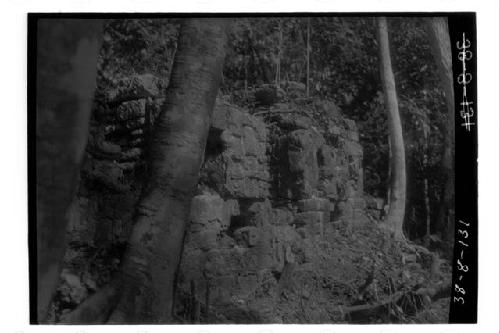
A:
(270, 187)
(111, 175)
(271, 231)
(274, 190)
(242, 161)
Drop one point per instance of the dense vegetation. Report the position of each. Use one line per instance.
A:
(343, 68)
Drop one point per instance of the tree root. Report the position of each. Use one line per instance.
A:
(95, 309)
(421, 298)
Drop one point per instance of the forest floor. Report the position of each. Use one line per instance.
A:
(359, 276)
(360, 270)
(355, 273)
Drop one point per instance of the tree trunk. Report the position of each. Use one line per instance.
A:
(389, 172)
(396, 213)
(426, 198)
(308, 50)
(278, 64)
(437, 28)
(246, 76)
(67, 52)
(177, 150)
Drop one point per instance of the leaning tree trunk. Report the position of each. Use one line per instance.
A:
(437, 28)
(176, 154)
(67, 52)
(396, 213)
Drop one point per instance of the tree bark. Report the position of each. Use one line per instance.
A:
(67, 52)
(95, 309)
(427, 210)
(364, 313)
(278, 63)
(396, 213)
(308, 50)
(177, 149)
(437, 28)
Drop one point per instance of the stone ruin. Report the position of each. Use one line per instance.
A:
(270, 186)
(276, 188)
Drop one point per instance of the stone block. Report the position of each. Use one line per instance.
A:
(305, 138)
(232, 207)
(260, 213)
(246, 177)
(282, 216)
(344, 210)
(329, 188)
(251, 145)
(316, 229)
(232, 142)
(260, 129)
(205, 239)
(225, 242)
(251, 166)
(313, 204)
(217, 262)
(247, 236)
(284, 233)
(358, 203)
(326, 161)
(206, 208)
(235, 171)
(310, 218)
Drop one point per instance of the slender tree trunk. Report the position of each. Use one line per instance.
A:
(67, 52)
(280, 42)
(308, 50)
(427, 213)
(396, 213)
(426, 191)
(177, 150)
(389, 171)
(439, 36)
(246, 76)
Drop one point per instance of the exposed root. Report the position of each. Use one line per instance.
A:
(420, 298)
(95, 309)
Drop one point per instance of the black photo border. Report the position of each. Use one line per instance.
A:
(466, 192)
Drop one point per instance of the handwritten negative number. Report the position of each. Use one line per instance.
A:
(461, 267)
(459, 289)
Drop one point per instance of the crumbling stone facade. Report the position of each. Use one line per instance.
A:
(279, 229)
(275, 188)
(272, 185)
